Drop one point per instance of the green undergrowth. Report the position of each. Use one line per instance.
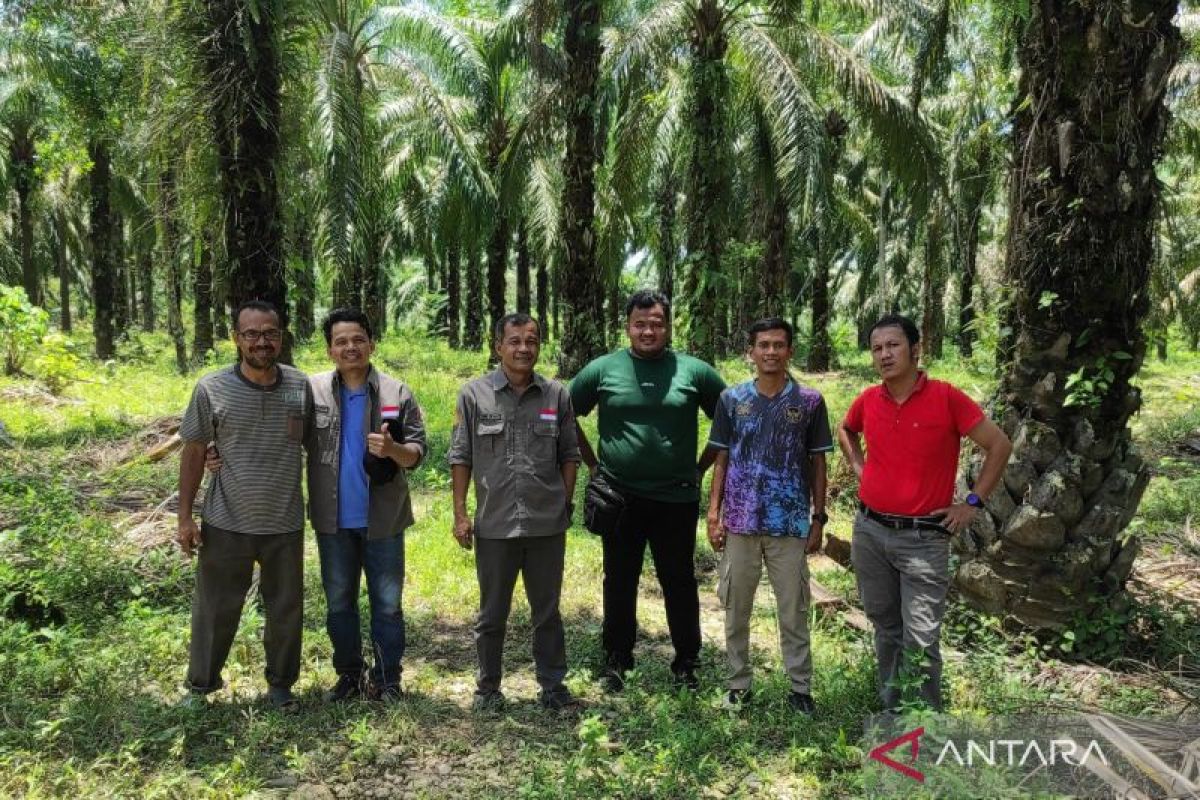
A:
(94, 607)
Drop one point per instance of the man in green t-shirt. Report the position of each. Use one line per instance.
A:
(647, 397)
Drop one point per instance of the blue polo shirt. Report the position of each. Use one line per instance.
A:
(353, 484)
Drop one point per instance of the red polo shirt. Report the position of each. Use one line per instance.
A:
(911, 447)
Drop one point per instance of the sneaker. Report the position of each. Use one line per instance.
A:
(735, 699)
(281, 699)
(686, 679)
(560, 699)
(488, 701)
(803, 703)
(346, 688)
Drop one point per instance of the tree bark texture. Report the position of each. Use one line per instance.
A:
(453, 294)
(1083, 198)
(708, 180)
(101, 237)
(242, 64)
(473, 335)
(580, 284)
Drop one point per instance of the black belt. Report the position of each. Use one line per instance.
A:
(899, 523)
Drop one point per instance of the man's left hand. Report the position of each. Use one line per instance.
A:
(380, 444)
(956, 518)
(816, 532)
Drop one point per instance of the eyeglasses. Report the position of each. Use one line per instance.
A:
(272, 335)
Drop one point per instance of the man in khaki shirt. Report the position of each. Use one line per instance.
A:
(514, 433)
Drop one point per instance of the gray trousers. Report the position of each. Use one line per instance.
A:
(539, 561)
(902, 580)
(787, 569)
(224, 571)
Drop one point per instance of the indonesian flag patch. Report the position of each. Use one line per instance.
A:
(389, 412)
(548, 415)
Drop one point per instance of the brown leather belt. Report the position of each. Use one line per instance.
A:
(900, 523)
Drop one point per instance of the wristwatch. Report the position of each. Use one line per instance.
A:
(974, 500)
(820, 516)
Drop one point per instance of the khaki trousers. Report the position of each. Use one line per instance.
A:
(787, 569)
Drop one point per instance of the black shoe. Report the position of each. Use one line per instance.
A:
(281, 699)
(612, 679)
(686, 679)
(560, 699)
(803, 703)
(736, 699)
(386, 694)
(347, 688)
(488, 701)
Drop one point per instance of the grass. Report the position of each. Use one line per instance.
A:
(94, 626)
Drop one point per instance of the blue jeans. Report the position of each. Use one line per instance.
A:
(344, 556)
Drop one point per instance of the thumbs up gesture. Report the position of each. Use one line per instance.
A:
(380, 443)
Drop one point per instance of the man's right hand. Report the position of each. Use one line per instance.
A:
(462, 531)
(716, 532)
(188, 535)
(212, 459)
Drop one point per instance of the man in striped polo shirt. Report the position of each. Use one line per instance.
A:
(257, 414)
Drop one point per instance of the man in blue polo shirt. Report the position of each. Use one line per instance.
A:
(768, 504)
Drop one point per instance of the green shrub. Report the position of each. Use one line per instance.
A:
(22, 326)
(56, 364)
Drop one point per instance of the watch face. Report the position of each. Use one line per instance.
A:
(974, 500)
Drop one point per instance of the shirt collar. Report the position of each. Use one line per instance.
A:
(922, 379)
(500, 380)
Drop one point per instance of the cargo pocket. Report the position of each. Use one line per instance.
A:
(723, 578)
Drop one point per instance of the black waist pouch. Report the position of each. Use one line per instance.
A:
(383, 470)
(603, 505)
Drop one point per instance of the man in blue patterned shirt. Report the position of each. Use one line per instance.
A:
(768, 505)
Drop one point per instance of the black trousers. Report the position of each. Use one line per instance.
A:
(670, 530)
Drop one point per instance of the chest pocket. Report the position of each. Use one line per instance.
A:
(544, 441)
(489, 428)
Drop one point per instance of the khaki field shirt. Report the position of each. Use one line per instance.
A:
(515, 447)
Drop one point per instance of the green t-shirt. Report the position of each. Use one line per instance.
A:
(647, 420)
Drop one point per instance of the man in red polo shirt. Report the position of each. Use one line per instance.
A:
(913, 426)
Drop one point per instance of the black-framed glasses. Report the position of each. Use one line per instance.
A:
(271, 335)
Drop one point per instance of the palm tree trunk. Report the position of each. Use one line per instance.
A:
(473, 338)
(453, 294)
(146, 275)
(168, 248)
(62, 266)
(775, 259)
(21, 159)
(543, 288)
(1082, 206)
(820, 353)
(708, 180)
(120, 278)
(933, 288)
(202, 310)
(580, 283)
(966, 287)
(668, 248)
(306, 285)
(242, 63)
(523, 304)
(101, 237)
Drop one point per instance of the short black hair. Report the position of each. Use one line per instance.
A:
(345, 314)
(911, 332)
(518, 318)
(253, 305)
(648, 298)
(769, 324)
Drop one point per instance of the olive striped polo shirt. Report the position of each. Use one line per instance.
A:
(259, 432)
